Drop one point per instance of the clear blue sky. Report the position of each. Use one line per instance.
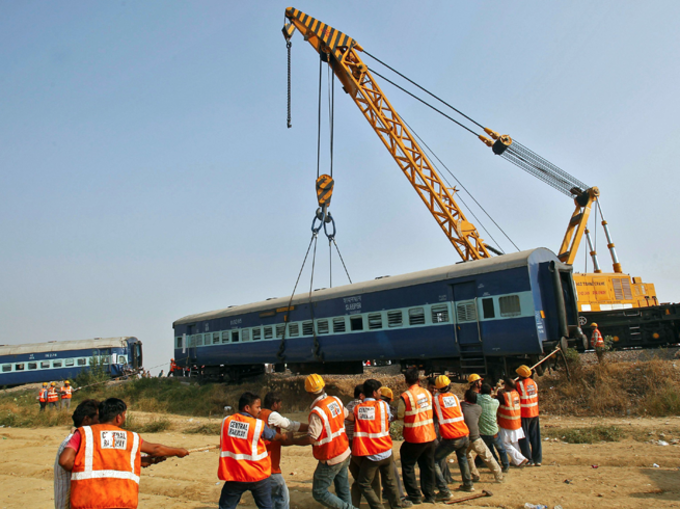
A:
(146, 171)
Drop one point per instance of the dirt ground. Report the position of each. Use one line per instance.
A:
(625, 476)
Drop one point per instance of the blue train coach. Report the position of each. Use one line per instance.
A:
(476, 316)
(61, 360)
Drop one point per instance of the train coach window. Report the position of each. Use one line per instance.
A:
(225, 337)
(19, 367)
(257, 333)
(466, 311)
(375, 321)
(105, 359)
(69, 362)
(322, 327)
(487, 306)
(178, 342)
(307, 328)
(82, 362)
(440, 313)
(56, 364)
(416, 316)
(294, 330)
(268, 332)
(45, 365)
(32, 365)
(280, 329)
(339, 324)
(395, 319)
(245, 336)
(6, 368)
(510, 305)
(234, 336)
(216, 338)
(356, 322)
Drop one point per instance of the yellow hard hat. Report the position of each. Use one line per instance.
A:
(53, 384)
(387, 393)
(524, 371)
(314, 383)
(67, 382)
(44, 384)
(593, 324)
(474, 377)
(442, 381)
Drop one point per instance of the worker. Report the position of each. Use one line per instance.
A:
(454, 436)
(272, 418)
(488, 427)
(530, 445)
(66, 392)
(52, 395)
(42, 396)
(373, 445)
(85, 414)
(415, 409)
(387, 396)
(245, 464)
(355, 462)
(173, 368)
(475, 382)
(597, 342)
(510, 422)
(105, 460)
(330, 445)
(471, 412)
(441, 481)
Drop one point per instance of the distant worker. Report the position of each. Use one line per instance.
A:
(597, 342)
(488, 426)
(330, 446)
(415, 409)
(454, 436)
(373, 446)
(475, 382)
(272, 418)
(174, 369)
(52, 395)
(42, 396)
(510, 422)
(85, 414)
(105, 460)
(472, 412)
(66, 393)
(245, 464)
(530, 445)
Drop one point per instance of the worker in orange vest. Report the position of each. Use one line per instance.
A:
(330, 445)
(245, 464)
(597, 342)
(173, 367)
(372, 445)
(42, 396)
(105, 460)
(415, 409)
(52, 396)
(271, 416)
(66, 392)
(454, 436)
(510, 422)
(530, 445)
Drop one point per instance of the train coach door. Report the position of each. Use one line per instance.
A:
(465, 307)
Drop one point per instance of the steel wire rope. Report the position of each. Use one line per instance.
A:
(318, 130)
(317, 346)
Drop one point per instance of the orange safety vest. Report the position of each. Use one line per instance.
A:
(333, 440)
(42, 396)
(509, 411)
(596, 340)
(528, 397)
(450, 416)
(418, 424)
(106, 469)
(52, 395)
(371, 428)
(243, 452)
(66, 392)
(273, 447)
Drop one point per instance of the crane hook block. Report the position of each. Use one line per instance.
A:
(501, 144)
(324, 190)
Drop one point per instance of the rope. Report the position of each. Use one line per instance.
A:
(317, 346)
(288, 46)
(343, 261)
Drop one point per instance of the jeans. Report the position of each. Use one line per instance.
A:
(280, 494)
(423, 454)
(324, 476)
(531, 446)
(446, 447)
(494, 441)
(367, 474)
(232, 491)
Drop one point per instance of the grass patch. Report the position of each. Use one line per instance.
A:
(590, 435)
(210, 428)
(15, 416)
(132, 423)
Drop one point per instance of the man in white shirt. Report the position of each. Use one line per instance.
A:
(85, 414)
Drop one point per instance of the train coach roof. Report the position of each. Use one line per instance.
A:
(508, 261)
(60, 346)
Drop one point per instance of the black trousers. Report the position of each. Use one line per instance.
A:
(423, 454)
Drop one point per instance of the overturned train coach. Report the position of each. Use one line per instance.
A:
(482, 316)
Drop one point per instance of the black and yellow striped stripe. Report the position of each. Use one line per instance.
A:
(332, 38)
